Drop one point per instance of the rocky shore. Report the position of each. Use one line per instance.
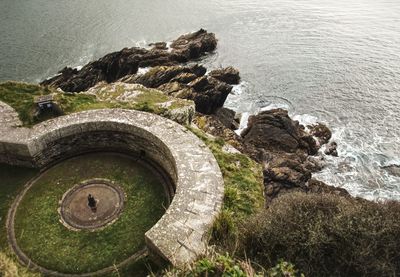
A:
(288, 151)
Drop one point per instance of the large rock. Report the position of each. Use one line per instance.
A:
(331, 149)
(177, 90)
(228, 118)
(212, 125)
(208, 93)
(135, 96)
(116, 65)
(274, 130)
(321, 132)
(193, 45)
(160, 75)
(229, 75)
(393, 169)
(287, 152)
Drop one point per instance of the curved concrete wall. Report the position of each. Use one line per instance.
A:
(181, 234)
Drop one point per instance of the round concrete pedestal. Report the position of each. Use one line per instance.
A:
(76, 214)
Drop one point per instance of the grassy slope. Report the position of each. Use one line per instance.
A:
(21, 96)
(12, 180)
(243, 182)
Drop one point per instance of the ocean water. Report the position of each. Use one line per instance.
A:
(332, 61)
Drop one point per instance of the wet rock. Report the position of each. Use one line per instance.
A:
(193, 45)
(275, 130)
(116, 65)
(159, 45)
(315, 163)
(287, 152)
(393, 169)
(229, 75)
(321, 132)
(331, 149)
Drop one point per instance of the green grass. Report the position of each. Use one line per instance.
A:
(243, 184)
(12, 180)
(21, 96)
(47, 242)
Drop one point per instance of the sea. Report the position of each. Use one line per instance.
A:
(336, 62)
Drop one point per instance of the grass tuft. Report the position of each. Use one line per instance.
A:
(243, 184)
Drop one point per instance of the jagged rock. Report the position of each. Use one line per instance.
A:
(314, 163)
(160, 75)
(274, 130)
(331, 149)
(159, 45)
(184, 78)
(286, 176)
(321, 132)
(316, 186)
(210, 94)
(192, 46)
(227, 117)
(177, 90)
(116, 65)
(287, 152)
(213, 126)
(229, 75)
(286, 169)
(393, 169)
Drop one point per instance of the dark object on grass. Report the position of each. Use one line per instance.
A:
(92, 203)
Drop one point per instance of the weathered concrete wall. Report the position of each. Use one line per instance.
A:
(13, 147)
(181, 234)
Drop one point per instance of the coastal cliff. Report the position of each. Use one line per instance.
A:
(273, 208)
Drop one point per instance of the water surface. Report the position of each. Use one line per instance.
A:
(332, 61)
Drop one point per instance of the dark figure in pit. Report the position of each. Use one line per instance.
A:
(92, 203)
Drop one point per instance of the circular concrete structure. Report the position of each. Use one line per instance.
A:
(196, 189)
(75, 212)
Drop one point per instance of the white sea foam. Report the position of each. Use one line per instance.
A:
(143, 70)
(141, 43)
(169, 49)
(305, 119)
(359, 166)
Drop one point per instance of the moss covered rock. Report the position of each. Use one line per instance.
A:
(145, 99)
(21, 97)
